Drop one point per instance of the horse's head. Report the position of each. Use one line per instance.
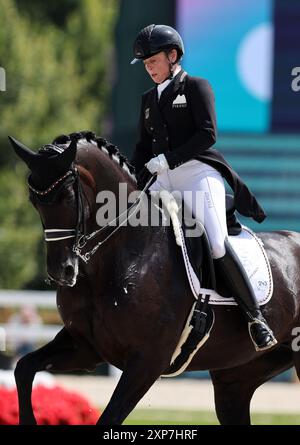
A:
(55, 192)
(64, 193)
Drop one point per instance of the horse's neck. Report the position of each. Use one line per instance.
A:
(110, 175)
(120, 251)
(107, 180)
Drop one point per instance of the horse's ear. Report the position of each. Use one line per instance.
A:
(69, 154)
(23, 152)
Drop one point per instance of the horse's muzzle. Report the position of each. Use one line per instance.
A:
(66, 275)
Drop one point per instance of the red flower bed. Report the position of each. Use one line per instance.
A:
(51, 406)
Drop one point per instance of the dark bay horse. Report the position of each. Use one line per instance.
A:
(128, 304)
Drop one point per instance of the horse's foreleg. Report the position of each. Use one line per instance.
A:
(235, 387)
(63, 353)
(138, 376)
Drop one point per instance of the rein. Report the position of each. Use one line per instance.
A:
(79, 233)
(85, 238)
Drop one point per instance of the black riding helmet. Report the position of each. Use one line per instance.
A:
(155, 38)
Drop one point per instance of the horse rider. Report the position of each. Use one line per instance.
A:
(177, 129)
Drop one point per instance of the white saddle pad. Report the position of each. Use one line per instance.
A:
(251, 253)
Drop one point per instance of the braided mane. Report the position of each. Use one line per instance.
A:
(60, 142)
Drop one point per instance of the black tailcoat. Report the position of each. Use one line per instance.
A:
(182, 125)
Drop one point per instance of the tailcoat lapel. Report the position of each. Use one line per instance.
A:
(171, 90)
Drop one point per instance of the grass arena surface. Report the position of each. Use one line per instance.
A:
(177, 417)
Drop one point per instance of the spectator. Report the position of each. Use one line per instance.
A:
(19, 330)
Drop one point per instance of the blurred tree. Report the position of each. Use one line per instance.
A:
(55, 11)
(56, 56)
(57, 80)
(20, 230)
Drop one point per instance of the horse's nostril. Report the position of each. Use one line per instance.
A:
(69, 271)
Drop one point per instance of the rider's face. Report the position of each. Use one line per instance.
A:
(158, 66)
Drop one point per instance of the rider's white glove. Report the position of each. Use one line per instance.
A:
(158, 164)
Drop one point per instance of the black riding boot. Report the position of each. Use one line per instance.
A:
(241, 288)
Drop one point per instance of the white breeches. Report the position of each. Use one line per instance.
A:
(193, 176)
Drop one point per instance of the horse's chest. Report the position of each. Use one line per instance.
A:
(76, 315)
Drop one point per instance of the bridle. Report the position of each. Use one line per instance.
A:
(58, 234)
(79, 232)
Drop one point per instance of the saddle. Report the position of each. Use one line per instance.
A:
(199, 252)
